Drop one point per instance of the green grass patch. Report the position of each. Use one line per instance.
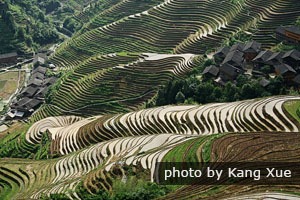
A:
(14, 145)
(206, 150)
(188, 150)
(16, 132)
(176, 154)
(2, 84)
(293, 108)
(191, 155)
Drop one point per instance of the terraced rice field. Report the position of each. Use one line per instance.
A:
(113, 83)
(18, 178)
(202, 25)
(94, 147)
(120, 9)
(88, 13)
(94, 130)
(256, 115)
(252, 147)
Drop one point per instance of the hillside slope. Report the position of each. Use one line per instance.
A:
(90, 150)
(181, 26)
(243, 116)
(113, 83)
(98, 133)
(99, 164)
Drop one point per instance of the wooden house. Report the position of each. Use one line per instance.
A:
(251, 50)
(229, 72)
(220, 55)
(286, 71)
(292, 58)
(238, 46)
(211, 71)
(275, 58)
(261, 59)
(235, 58)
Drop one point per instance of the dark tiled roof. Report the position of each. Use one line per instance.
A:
(229, 69)
(50, 81)
(263, 56)
(40, 69)
(29, 91)
(28, 104)
(33, 103)
(292, 54)
(239, 46)
(283, 68)
(276, 56)
(213, 70)
(222, 51)
(21, 102)
(42, 91)
(38, 75)
(35, 82)
(235, 56)
(39, 59)
(252, 46)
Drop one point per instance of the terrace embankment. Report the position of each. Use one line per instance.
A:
(250, 147)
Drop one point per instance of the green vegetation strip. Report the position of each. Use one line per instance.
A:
(176, 154)
(2, 84)
(206, 150)
(187, 151)
(15, 145)
(293, 107)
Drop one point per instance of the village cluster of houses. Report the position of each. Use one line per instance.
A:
(32, 96)
(250, 59)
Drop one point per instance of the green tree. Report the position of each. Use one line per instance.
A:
(175, 87)
(247, 91)
(204, 93)
(231, 92)
(28, 41)
(241, 80)
(218, 94)
(21, 33)
(275, 85)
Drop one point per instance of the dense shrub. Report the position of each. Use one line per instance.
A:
(132, 189)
